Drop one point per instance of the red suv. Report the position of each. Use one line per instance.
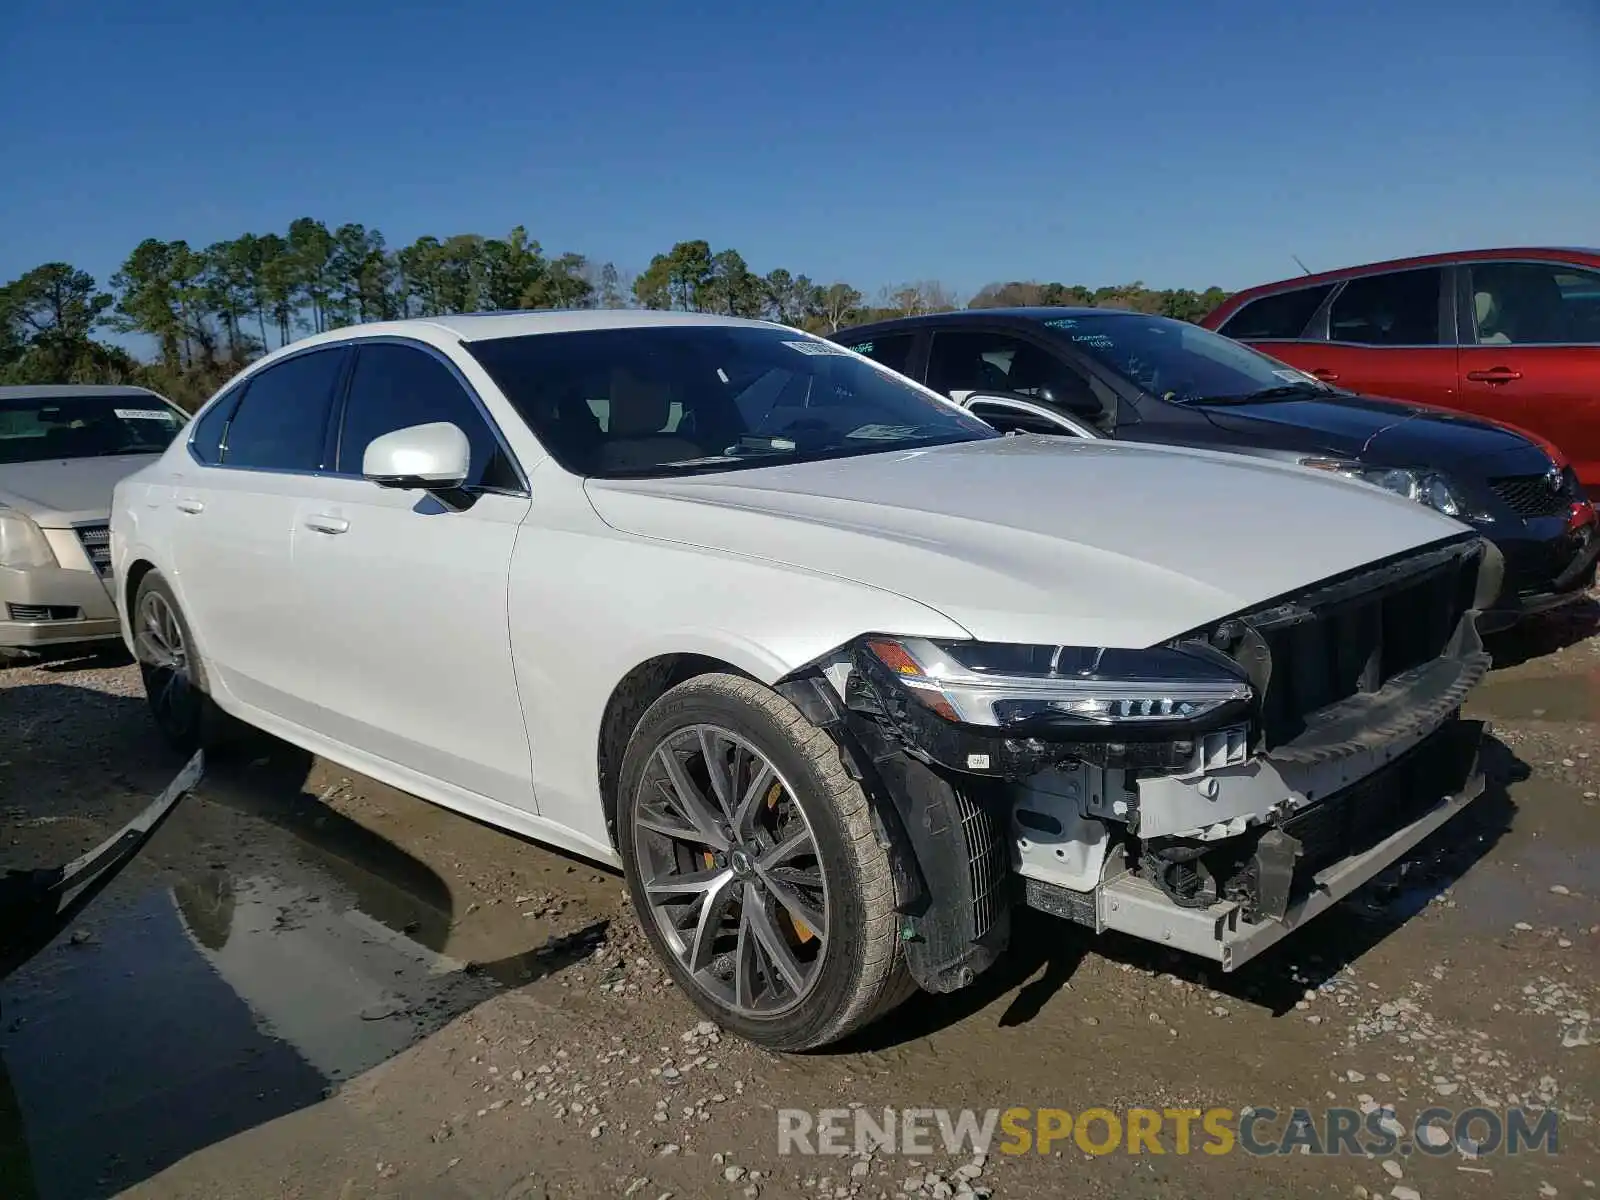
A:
(1509, 334)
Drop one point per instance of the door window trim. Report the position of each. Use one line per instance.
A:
(1466, 316)
(522, 492)
(243, 388)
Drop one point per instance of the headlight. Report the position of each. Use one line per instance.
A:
(1426, 487)
(979, 683)
(22, 543)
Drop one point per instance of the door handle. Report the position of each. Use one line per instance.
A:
(1325, 375)
(1494, 375)
(191, 506)
(326, 524)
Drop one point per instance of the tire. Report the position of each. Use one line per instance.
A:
(856, 972)
(174, 677)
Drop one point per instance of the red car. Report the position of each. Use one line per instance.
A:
(1513, 335)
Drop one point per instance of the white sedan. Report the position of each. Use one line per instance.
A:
(835, 673)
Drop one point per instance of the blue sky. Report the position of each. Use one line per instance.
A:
(1181, 142)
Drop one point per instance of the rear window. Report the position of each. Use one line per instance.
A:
(38, 429)
(679, 399)
(1280, 315)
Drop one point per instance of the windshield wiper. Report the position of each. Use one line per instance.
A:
(1268, 393)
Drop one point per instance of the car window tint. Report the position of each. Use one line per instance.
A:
(893, 350)
(998, 362)
(1397, 309)
(1280, 315)
(282, 421)
(1532, 304)
(206, 441)
(1008, 420)
(395, 387)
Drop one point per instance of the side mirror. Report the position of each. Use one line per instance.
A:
(436, 456)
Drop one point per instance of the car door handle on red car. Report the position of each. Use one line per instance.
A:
(1325, 375)
(1494, 375)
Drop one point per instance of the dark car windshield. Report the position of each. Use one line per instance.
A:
(671, 400)
(1178, 361)
(38, 428)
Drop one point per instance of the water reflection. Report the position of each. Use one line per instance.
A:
(176, 1015)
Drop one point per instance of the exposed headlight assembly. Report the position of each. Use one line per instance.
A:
(22, 543)
(1425, 487)
(1076, 690)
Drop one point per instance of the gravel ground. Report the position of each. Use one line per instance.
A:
(312, 985)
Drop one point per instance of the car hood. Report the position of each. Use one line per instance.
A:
(1042, 540)
(1384, 433)
(58, 492)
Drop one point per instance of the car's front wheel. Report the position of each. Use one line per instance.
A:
(174, 683)
(751, 858)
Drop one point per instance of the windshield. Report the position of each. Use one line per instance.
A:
(40, 428)
(1178, 361)
(671, 400)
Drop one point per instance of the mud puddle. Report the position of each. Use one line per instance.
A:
(187, 1006)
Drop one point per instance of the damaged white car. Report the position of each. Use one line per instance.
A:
(835, 673)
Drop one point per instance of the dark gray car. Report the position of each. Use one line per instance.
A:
(1092, 372)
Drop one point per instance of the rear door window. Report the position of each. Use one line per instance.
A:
(282, 422)
(1282, 315)
(1400, 308)
(1534, 304)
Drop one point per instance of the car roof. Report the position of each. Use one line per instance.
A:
(477, 327)
(1021, 315)
(1579, 255)
(63, 391)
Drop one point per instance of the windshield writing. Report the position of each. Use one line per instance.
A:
(1176, 360)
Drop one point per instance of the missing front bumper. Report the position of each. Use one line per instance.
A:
(1312, 880)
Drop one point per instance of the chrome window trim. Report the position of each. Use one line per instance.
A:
(242, 386)
(1450, 265)
(350, 345)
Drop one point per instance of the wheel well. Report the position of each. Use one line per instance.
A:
(136, 574)
(637, 691)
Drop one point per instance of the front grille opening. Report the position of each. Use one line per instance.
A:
(42, 612)
(1531, 495)
(1341, 639)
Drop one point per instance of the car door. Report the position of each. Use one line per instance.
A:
(234, 507)
(404, 639)
(1530, 352)
(1388, 334)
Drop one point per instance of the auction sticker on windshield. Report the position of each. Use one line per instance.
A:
(146, 414)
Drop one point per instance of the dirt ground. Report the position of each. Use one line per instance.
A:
(310, 985)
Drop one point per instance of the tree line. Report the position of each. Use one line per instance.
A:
(207, 311)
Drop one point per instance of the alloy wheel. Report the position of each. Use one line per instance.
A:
(731, 870)
(164, 658)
